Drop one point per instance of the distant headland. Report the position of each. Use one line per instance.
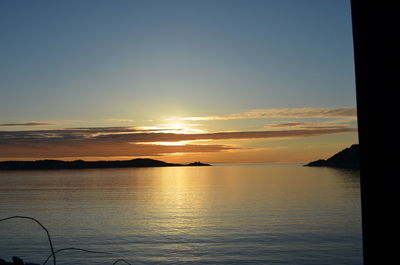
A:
(348, 158)
(80, 164)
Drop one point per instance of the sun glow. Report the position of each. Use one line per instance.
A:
(181, 128)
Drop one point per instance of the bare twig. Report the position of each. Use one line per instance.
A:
(122, 260)
(73, 248)
(53, 253)
(45, 229)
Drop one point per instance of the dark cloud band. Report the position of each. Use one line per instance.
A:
(127, 141)
(33, 123)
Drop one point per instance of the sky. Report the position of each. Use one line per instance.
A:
(220, 81)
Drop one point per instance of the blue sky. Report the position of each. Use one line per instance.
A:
(76, 63)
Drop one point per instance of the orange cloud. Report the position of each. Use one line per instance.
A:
(94, 150)
(129, 141)
(30, 123)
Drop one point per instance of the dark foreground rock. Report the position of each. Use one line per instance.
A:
(16, 261)
(80, 164)
(348, 158)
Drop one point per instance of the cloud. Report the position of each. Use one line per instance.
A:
(116, 149)
(105, 135)
(287, 124)
(335, 124)
(284, 113)
(69, 135)
(31, 123)
(129, 141)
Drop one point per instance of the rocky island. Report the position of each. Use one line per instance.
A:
(348, 158)
(80, 164)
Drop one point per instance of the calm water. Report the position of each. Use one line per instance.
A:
(262, 214)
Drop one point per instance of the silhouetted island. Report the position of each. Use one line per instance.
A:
(80, 164)
(348, 158)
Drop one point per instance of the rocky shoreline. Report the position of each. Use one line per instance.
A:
(348, 158)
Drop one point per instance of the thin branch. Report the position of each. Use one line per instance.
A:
(73, 248)
(122, 260)
(45, 229)
(62, 249)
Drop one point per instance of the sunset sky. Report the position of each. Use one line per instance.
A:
(217, 81)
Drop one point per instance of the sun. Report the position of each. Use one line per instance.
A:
(173, 127)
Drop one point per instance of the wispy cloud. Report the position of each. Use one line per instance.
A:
(284, 113)
(129, 141)
(331, 124)
(30, 123)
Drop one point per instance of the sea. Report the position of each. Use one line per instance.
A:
(223, 214)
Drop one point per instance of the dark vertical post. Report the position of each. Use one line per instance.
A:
(375, 31)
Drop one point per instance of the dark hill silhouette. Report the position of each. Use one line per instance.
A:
(80, 164)
(348, 158)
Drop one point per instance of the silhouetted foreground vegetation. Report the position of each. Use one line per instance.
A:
(16, 261)
(19, 261)
(348, 158)
(80, 164)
